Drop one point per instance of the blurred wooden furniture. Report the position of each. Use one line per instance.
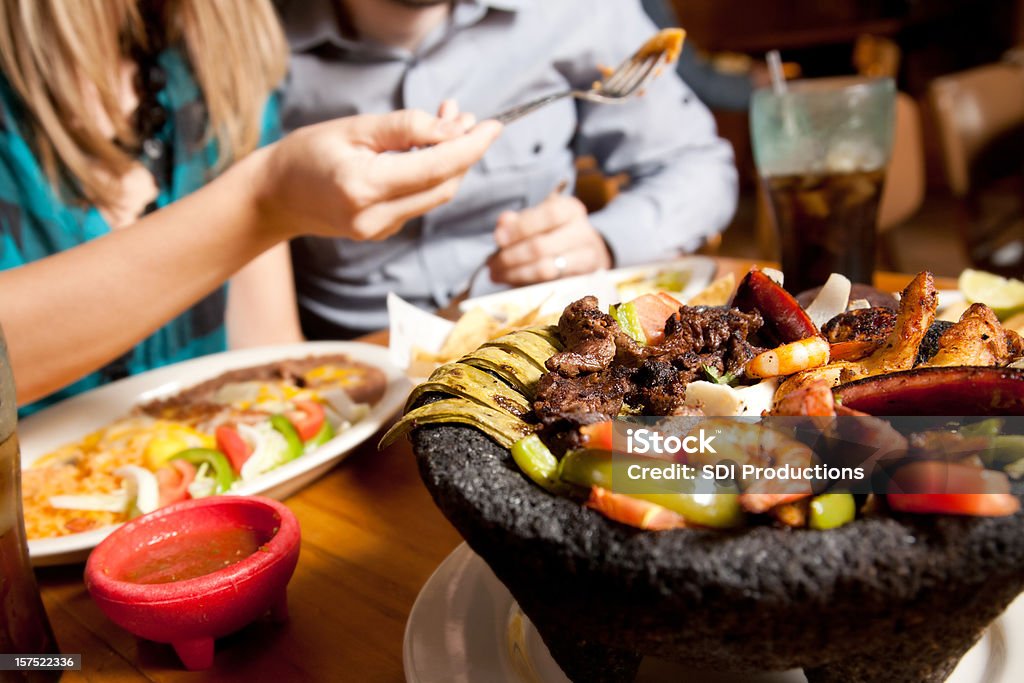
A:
(979, 115)
(876, 56)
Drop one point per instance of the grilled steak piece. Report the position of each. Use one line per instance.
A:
(865, 324)
(703, 329)
(589, 338)
(659, 387)
(579, 399)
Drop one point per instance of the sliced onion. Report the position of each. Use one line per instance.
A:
(774, 275)
(142, 486)
(858, 304)
(720, 400)
(93, 502)
(831, 300)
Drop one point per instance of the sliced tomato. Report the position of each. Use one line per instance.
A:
(598, 435)
(233, 445)
(977, 504)
(308, 419)
(935, 487)
(174, 480)
(670, 300)
(653, 311)
(634, 512)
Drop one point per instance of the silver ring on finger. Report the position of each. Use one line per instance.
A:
(560, 263)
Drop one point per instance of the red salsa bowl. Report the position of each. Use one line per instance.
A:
(196, 570)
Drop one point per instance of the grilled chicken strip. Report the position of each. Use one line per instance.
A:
(864, 324)
(917, 311)
(978, 339)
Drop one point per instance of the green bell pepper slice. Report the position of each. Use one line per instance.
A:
(325, 434)
(223, 473)
(283, 426)
(629, 320)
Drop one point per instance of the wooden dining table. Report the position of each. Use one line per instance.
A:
(371, 537)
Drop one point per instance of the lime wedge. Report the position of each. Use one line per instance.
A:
(1004, 296)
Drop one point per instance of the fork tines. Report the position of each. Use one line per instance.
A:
(629, 78)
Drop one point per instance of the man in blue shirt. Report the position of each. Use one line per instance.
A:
(362, 56)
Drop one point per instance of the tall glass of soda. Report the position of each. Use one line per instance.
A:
(821, 148)
(24, 628)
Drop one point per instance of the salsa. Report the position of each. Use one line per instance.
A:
(191, 555)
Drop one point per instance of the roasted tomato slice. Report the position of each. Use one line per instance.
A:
(652, 312)
(233, 445)
(936, 487)
(598, 435)
(308, 419)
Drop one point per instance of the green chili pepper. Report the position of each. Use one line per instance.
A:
(1003, 450)
(536, 461)
(283, 426)
(223, 474)
(831, 510)
(325, 434)
(701, 501)
(628, 319)
(990, 427)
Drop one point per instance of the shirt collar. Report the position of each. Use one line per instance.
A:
(310, 23)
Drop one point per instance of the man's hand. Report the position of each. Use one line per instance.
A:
(546, 242)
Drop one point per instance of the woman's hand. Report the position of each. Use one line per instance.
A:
(354, 177)
(546, 242)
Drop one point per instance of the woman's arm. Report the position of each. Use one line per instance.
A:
(261, 302)
(66, 315)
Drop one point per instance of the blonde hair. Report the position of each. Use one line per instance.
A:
(61, 56)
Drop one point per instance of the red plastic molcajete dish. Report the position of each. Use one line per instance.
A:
(195, 571)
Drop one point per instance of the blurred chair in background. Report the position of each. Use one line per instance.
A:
(979, 114)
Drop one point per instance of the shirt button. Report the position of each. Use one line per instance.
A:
(153, 148)
(538, 148)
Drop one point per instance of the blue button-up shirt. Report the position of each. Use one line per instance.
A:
(490, 55)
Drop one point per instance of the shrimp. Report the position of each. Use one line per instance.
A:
(831, 374)
(814, 399)
(789, 359)
(634, 512)
(746, 443)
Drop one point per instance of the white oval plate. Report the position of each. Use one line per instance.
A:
(72, 419)
(554, 296)
(465, 626)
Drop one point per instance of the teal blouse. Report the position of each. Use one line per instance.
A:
(36, 222)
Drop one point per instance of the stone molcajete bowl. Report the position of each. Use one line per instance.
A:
(895, 599)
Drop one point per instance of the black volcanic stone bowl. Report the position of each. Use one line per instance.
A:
(895, 599)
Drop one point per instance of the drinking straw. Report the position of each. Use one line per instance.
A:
(779, 88)
(775, 71)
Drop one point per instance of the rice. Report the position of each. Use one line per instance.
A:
(84, 467)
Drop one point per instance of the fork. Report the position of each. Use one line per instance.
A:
(633, 74)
